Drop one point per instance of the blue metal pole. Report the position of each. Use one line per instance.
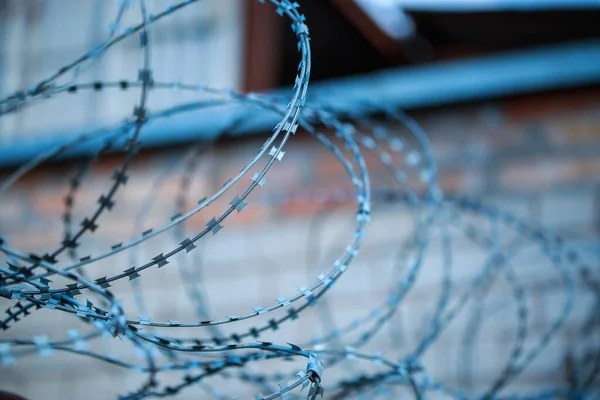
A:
(512, 73)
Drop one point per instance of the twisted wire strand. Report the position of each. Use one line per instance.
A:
(438, 218)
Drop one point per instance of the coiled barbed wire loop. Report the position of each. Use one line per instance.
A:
(231, 350)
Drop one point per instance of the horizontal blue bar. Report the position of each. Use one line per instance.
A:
(511, 73)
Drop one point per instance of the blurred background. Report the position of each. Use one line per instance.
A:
(507, 90)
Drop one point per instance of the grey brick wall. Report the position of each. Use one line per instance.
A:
(263, 252)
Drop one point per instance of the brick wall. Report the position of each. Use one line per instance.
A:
(40, 36)
(536, 156)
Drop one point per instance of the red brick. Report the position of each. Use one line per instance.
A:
(542, 106)
(544, 173)
(578, 132)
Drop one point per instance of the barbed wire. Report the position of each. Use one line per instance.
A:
(437, 218)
